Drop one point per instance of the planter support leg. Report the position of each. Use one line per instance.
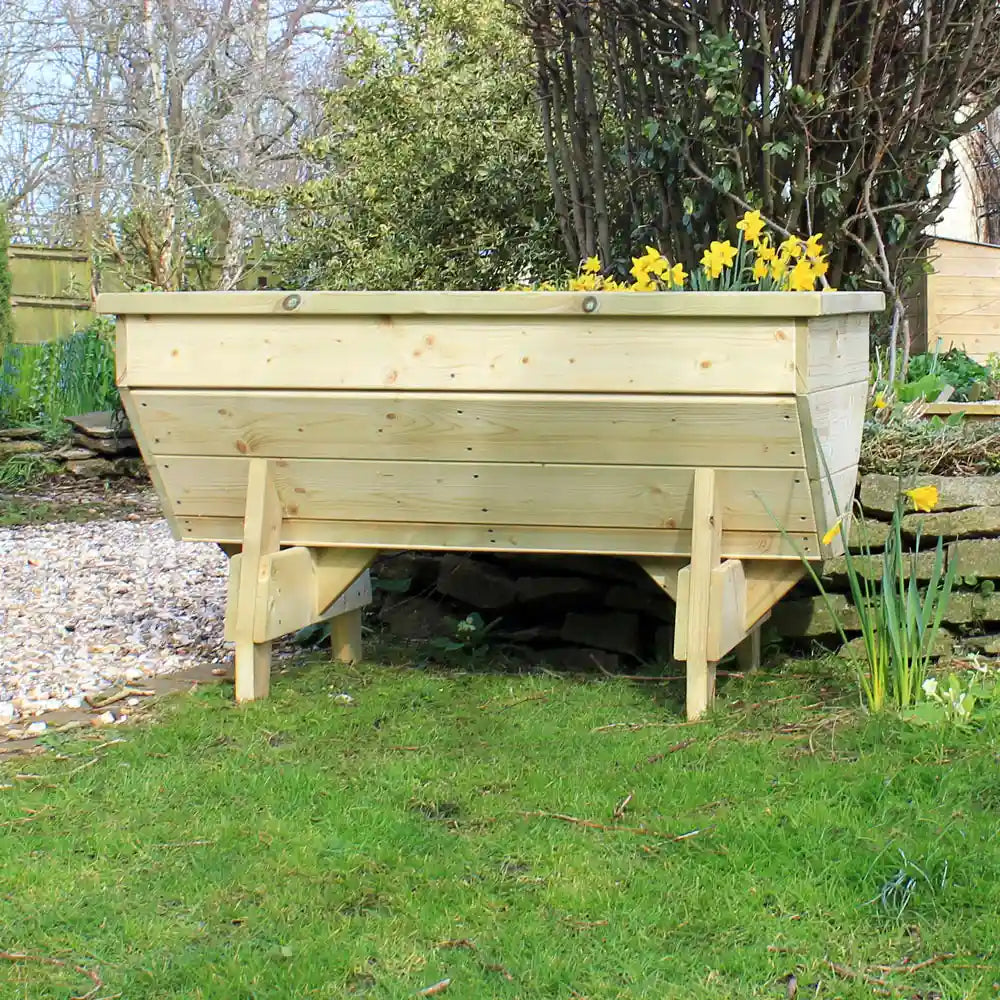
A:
(345, 637)
(748, 651)
(261, 537)
(706, 541)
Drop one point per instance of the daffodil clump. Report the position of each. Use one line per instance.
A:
(899, 615)
(796, 264)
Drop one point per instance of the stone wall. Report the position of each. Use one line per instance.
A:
(97, 448)
(967, 517)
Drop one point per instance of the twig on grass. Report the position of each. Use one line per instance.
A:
(91, 974)
(641, 831)
(907, 967)
(496, 967)
(846, 972)
(619, 812)
(657, 757)
(633, 727)
(125, 692)
(433, 991)
(540, 696)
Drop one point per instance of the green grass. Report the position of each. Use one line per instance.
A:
(299, 848)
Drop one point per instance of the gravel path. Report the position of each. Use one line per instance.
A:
(85, 605)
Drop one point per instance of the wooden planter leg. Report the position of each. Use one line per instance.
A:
(345, 637)
(748, 651)
(706, 541)
(261, 537)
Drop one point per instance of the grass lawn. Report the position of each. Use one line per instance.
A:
(301, 848)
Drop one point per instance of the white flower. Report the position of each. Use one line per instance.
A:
(930, 687)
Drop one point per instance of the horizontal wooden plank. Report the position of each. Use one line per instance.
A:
(984, 410)
(626, 496)
(978, 337)
(499, 353)
(520, 303)
(951, 258)
(479, 427)
(951, 289)
(396, 535)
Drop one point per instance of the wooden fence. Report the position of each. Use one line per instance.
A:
(50, 292)
(51, 289)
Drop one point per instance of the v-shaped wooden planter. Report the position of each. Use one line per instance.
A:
(703, 434)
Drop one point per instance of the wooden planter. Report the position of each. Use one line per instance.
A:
(684, 430)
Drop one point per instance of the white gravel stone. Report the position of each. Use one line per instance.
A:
(85, 605)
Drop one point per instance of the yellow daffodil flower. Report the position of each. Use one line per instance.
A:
(586, 282)
(924, 498)
(779, 266)
(792, 247)
(711, 264)
(724, 251)
(766, 252)
(639, 269)
(802, 278)
(833, 531)
(678, 275)
(592, 265)
(814, 246)
(760, 269)
(752, 226)
(880, 403)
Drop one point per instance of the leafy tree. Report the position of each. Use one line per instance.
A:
(665, 120)
(6, 310)
(434, 167)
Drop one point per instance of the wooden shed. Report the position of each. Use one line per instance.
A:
(958, 303)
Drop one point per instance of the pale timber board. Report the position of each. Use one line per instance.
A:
(833, 496)
(480, 427)
(499, 353)
(833, 420)
(148, 456)
(831, 351)
(957, 258)
(979, 337)
(396, 535)
(963, 290)
(517, 303)
(569, 495)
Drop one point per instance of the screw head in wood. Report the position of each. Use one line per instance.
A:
(590, 304)
(291, 302)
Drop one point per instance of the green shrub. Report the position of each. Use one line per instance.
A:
(42, 383)
(928, 375)
(432, 163)
(6, 310)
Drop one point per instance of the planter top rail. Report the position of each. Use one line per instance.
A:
(516, 303)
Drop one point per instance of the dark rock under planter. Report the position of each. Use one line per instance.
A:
(477, 583)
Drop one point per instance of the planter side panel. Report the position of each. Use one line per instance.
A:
(474, 427)
(833, 379)
(759, 545)
(464, 353)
